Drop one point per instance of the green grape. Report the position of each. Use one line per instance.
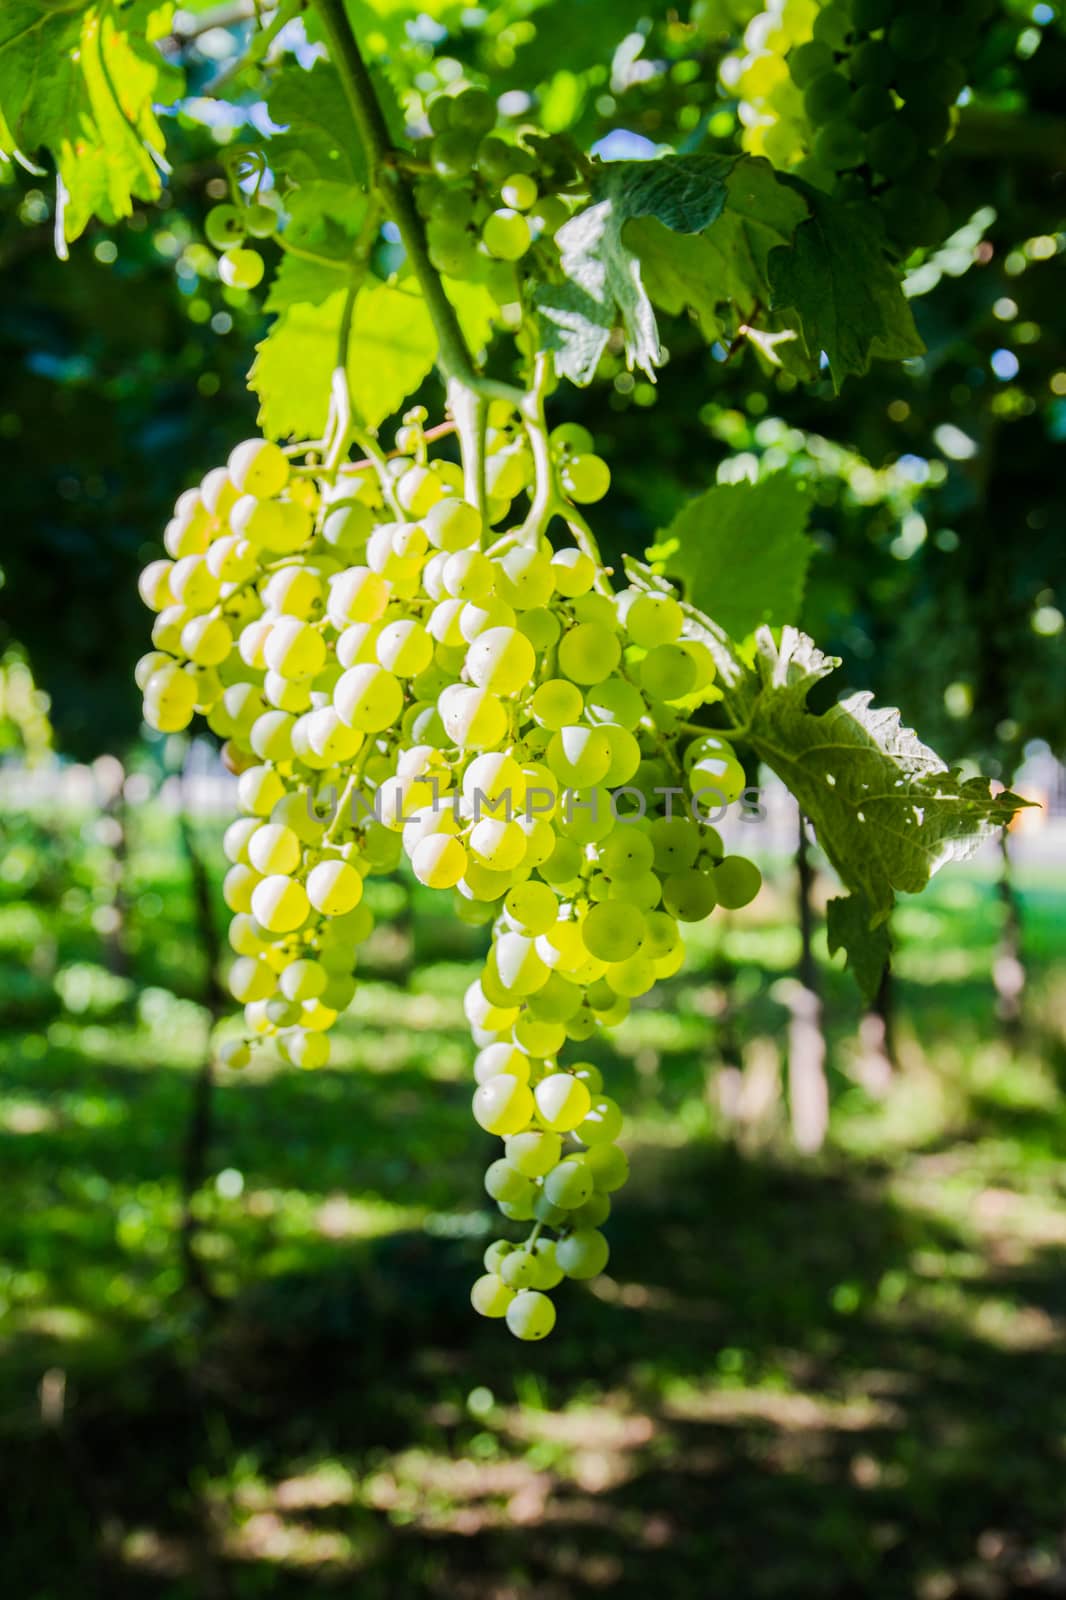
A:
(832, 26)
(506, 234)
(574, 571)
(736, 882)
(667, 672)
(550, 214)
(505, 1182)
(503, 1105)
(453, 152)
(676, 843)
(535, 1153)
(616, 700)
(873, 63)
(568, 1185)
(240, 269)
(224, 225)
(532, 907)
(154, 585)
(570, 439)
(868, 15)
(594, 1213)
(233, 1053)
(368, 698)
(562, 1102)
(603, 1123)
(474, 110)
(307, 1050)
(525, 579)
(608, 1166)
(304, 980)
(491, 1297)
(914, 36)
(870, 105)
(501, 1057)
(439, 861)
(274, 848)
(530, 1315)
(502, 660)
(556, 703)
(520, 1269)
(519, 191)
(280, 903)
(250, 979)
(589, 653)
(334, 888)
(452, 525)
(654, 619)
(809, 61)
(548, 1272)
(169, 699)
(579, 756)
(260, 221)
(826, 96)
(582, 1254)
(613, 930)
(586, 478)
(258, 467)
(495, 1253)
(891, 147)
(689, 896)
(627, 854)
(839, 144)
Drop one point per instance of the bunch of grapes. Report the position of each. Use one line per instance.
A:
(395, 678)
(229, 227)
(857, 97)
(487, 200)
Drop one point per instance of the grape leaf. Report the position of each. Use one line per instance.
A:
(720, 274)
(320, 139)
(887, 810)
(849, 927)
(390, 352)
(685, 193)
(835, 285)
(742, 552)
(83, 84)
(575, 327)
(325, 220)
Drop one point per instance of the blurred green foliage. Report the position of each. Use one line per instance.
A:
(818, 1379)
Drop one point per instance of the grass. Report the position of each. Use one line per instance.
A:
(827, 1378)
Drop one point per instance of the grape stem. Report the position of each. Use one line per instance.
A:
(387, 176)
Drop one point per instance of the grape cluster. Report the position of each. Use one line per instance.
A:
(394, 679)
(228, 228)
(486, 199)
(856, 96)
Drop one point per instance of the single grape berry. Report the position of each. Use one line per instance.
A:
(224, 226)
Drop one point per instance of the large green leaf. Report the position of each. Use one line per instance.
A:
(887, 810)
(742, 550)
(837, 287)
(83, 84)
(720, 274)
(685, 193)
(390, 351)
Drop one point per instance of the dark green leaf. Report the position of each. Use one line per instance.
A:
(835, 285)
